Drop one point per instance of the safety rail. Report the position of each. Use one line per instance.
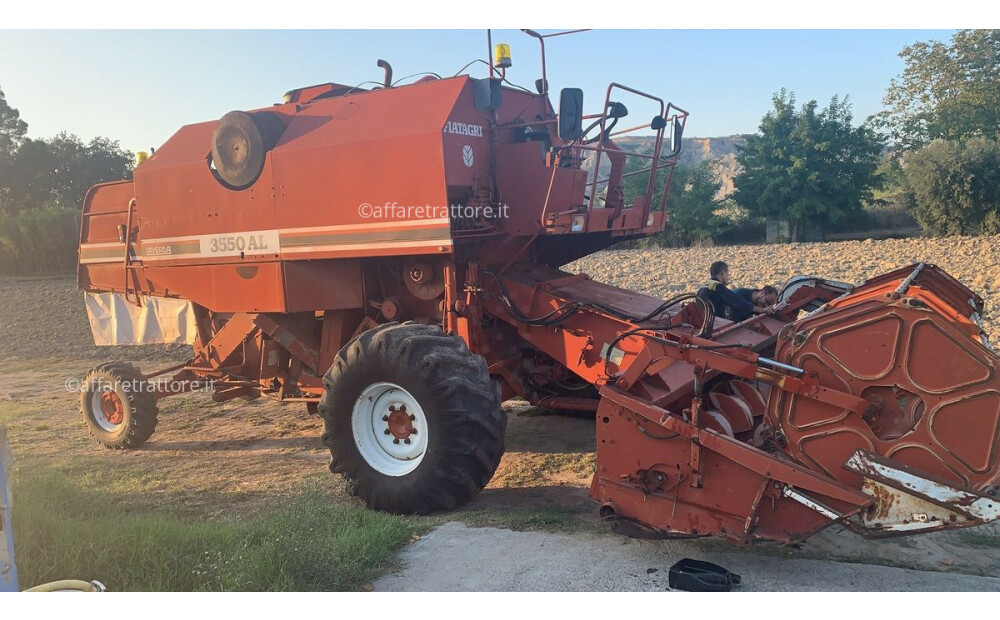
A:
(125, 236)
(658, 162)
(669, 113)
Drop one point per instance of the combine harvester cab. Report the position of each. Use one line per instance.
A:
(391, 259)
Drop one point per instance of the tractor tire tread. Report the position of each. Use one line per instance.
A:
(464, 400)
(144, 414)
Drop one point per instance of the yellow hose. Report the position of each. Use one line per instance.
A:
(68, 585)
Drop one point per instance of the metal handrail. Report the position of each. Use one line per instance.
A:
(128, 253)
(659, 161)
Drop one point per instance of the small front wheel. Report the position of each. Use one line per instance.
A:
(118, 406)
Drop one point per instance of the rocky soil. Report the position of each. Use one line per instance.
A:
(45, 318)
(973, 260)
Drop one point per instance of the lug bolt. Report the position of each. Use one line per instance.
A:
(402, 407)
(397, 441)
(412, 417)
(406, 441)
(385, 418)
(386, 431)
(413, 431)
(392, 407)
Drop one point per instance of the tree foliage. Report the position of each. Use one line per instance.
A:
(12, 131)
(946, 92)
(956, 186)
(42, 184)
(808, 165)
(12, 128)
(696, 215)
(40, 240)
(60, 170)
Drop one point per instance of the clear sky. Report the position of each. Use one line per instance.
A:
(140, 86)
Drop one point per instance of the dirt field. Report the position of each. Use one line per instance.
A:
(973, 260)
(240, 458)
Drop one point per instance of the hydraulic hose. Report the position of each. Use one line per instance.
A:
(69, 585)
(568, 309)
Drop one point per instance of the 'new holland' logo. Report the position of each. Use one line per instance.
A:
(463, 129)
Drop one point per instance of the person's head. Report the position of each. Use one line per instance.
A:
(720, 271)
(767, 296)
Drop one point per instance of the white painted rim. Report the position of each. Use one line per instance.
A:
(385, 452)
(98, 413)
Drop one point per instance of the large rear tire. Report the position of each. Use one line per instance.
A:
(412, 419)
(118, 406)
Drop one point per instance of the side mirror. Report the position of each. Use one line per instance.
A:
(675, 137)
(570, 114)
(617, 110)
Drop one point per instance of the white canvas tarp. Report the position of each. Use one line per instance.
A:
(159, 320)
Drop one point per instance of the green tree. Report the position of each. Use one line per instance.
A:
(12, 131)
(79, 166)
(60, 170)
(12, 128)
(808, 165)
(946, 91)
(956, 186)
(39, 240)
(28, 182)
(42, 183)
(894, 193)
(695, 212)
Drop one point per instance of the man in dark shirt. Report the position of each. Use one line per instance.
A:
(764, 297)
(725, 302)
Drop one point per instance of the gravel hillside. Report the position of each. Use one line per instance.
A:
(973, 260)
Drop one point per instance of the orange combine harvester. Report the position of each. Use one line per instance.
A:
(391, 258)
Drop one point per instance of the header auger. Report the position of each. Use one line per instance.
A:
(391, 258)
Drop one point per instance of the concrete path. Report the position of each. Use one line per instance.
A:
(454, 557)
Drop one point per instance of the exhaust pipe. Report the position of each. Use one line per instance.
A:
(387, 80)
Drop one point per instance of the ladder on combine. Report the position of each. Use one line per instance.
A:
(129, 262)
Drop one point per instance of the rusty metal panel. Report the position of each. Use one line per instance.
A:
(933, 389)
(908, 501)
(645, 472)
(375, 148)
(323, 285)
(254, 287)
(177, 194)
(292, 336)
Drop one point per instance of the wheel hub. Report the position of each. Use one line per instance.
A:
(399, 422)
(421, 273)
(112, 408)
(390, 429)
